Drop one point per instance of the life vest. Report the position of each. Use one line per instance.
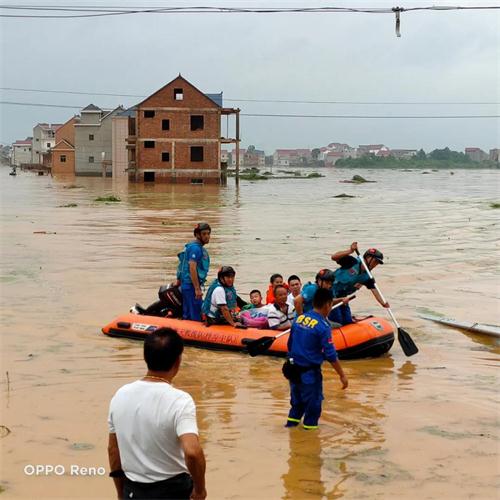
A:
(230, 299)
(345, 279)
(183, 274)
(270, 298)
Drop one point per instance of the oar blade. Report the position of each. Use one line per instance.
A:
(259, 346)
(409, 347)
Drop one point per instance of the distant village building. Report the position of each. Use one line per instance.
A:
(93, 141)
(44, 139)
(232, 154)
(287, 157)
(476, 154)
(403, 154)
(63, 153)
(177, 136)
(21, 152)
(373, 149)
(494, 154)
(254, 158)
(225, 157)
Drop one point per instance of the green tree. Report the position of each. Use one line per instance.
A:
(421, 155)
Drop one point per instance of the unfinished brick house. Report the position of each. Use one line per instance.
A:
(175, 136)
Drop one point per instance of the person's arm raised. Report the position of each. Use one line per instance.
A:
(344, 253)
(195, 462)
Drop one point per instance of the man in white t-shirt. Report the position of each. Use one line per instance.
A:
(154, 450)
(280, 314)
(294, 288)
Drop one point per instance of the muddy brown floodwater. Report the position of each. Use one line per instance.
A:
(424, 427)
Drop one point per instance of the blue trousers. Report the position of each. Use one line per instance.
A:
(341, 315)
(306, 399)
(191, 306)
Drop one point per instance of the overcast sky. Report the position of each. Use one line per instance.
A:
(441, 57)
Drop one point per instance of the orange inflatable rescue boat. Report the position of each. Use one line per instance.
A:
(369, 337)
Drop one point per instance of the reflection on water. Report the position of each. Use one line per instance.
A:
(403, 425)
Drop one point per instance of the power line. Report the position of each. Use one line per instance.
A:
(284, 101)
(100, 11)
(277, 115)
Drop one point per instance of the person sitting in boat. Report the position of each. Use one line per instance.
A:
(275, 280)
(304, 302)
(255, 301)
(294, 288)
(219, 305)
(280, 314)
(192, 271)
(351, 276)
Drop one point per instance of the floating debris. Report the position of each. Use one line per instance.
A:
(81, 446)
(111, 198)
(343, 195)
(69, 205)
(314, 175)
(495, 205)
(44, 232)
(4, 431)
(357, 179)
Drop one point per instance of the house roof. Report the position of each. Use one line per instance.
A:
(472, 150)
(371, 146)
(91, 108)
(63, 142)
(128, 112)
(113, 111)
(212, 97)
(217, 98)
(22, 142)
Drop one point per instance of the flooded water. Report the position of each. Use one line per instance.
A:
(424, 427)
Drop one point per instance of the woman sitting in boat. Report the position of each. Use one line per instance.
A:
(280, 314)
(219, 306)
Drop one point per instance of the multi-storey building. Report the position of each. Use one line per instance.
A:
(44, 139)
(93, 141)
(175, 136)
(21, 152)
(476, 154)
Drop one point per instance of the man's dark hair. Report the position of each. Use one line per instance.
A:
(277, 287)
(162, 348)
(321, 297)
(292, 277)
(274, 276)
(256, 291)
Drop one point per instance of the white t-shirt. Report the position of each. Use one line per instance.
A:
(218, 299)
(290, 300)
(277, 319)
(148, 418)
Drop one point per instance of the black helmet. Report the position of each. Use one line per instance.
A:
(225, 271)
(376, 254)
(326, 275)
(201, 226)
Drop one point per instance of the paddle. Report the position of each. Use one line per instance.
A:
(406, 342)
(261, 345)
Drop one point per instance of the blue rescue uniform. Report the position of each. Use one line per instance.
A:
(193, 252)
(350, 273)
(309, 344)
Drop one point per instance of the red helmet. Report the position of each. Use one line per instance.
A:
(326, 275)
(376, 254)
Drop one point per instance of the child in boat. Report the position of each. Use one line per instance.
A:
(275, 280)
(255, 301)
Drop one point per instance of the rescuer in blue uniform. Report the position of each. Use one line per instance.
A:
(304, 301)
(351, 276)
(309, 344)
(192, 271)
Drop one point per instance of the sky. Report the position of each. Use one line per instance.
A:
(441, 58)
